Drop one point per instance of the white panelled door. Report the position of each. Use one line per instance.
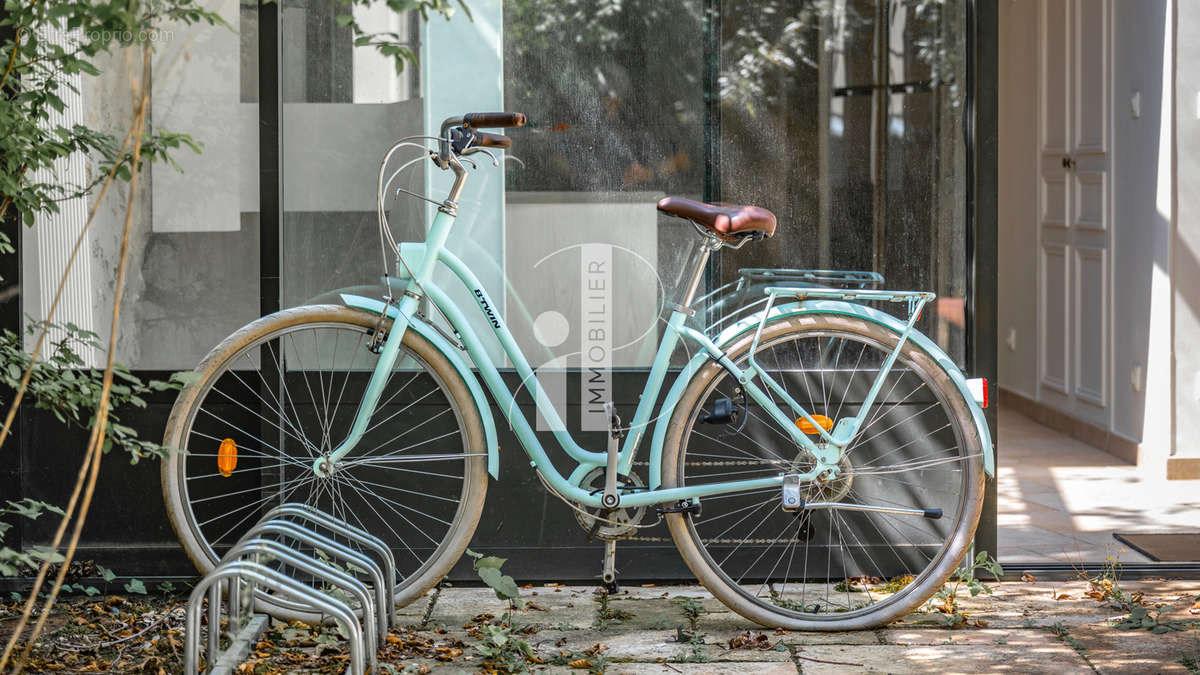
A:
(1073, 232)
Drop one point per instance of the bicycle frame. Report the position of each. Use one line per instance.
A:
(422, 259)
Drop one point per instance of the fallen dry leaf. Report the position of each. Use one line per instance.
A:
(1028, 578)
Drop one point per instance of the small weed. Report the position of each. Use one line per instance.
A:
(897, 584)
(1192, 661)
(946, 599)
(1140, 619)
(787, 603)
(607, 616)
(692, 609)
(592, 658)
(1059, 630)
(502, 650)
(1105, 587)
(437, 592)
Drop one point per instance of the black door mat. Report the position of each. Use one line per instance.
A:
(1173, 547)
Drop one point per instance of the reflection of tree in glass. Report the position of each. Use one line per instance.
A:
(761, 46)
(613, 91)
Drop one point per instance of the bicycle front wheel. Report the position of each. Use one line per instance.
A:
(283, 391)
(833, 568)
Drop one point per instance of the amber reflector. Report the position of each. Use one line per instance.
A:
(227, 457)
(808, 428)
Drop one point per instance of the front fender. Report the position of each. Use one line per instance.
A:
(749, 323)
(454, 357)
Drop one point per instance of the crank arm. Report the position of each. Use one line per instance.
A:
(932, 514)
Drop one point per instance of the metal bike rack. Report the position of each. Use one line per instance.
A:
(274, 550)
(334, 550)
(246, 564)
(236, 572)
(341, 528)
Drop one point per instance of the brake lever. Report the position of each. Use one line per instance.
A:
(475, 149)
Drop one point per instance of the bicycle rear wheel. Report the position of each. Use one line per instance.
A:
(832, 569)
(284, 390)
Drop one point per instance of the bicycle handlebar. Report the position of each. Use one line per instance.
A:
(487, 140)
(494, 120)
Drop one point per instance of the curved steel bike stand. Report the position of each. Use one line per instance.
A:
(248, 563)
(343, 529)
(240, 570)
(333, 549)
(275, 551)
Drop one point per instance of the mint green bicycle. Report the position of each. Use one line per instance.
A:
(819, 462)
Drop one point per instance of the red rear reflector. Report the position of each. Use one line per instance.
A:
(979, 390)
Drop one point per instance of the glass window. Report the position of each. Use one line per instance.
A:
(844, 118)
(193, 260)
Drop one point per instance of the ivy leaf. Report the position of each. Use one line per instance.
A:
(135, 586)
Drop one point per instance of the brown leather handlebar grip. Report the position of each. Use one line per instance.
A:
(495, 120)
(492, 140)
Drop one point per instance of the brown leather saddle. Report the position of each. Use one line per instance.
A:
(730, 222)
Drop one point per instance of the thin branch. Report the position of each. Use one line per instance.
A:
(91, 464)
(12, 58)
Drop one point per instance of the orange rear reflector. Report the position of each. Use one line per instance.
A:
(808, 428)
(227, 457)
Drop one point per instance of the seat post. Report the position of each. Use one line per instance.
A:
(699, 260)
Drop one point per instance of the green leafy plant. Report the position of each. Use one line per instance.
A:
(499, 645)
(13, 562)
(503, 650)
(488, 569)
(945, 601)
(62, 384)
(1140, 618)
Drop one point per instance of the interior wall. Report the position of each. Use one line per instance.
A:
(1140, 154)
(1141, 133)
(1017, 198)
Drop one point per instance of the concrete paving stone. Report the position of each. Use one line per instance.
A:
(647, 645)
(757, 668)
(943, 659)
(861, 637)
(1119, 651)
(1025, 638)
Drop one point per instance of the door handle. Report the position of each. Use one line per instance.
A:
(1068, 163)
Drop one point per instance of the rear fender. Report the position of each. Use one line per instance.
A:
(739, 330)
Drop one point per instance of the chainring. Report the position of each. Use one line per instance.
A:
(625, 520)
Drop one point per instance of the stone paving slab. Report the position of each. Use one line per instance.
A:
(1037, 627)
(945, 659)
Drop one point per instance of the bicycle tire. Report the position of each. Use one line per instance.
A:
(194, 493)
(757, 595)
